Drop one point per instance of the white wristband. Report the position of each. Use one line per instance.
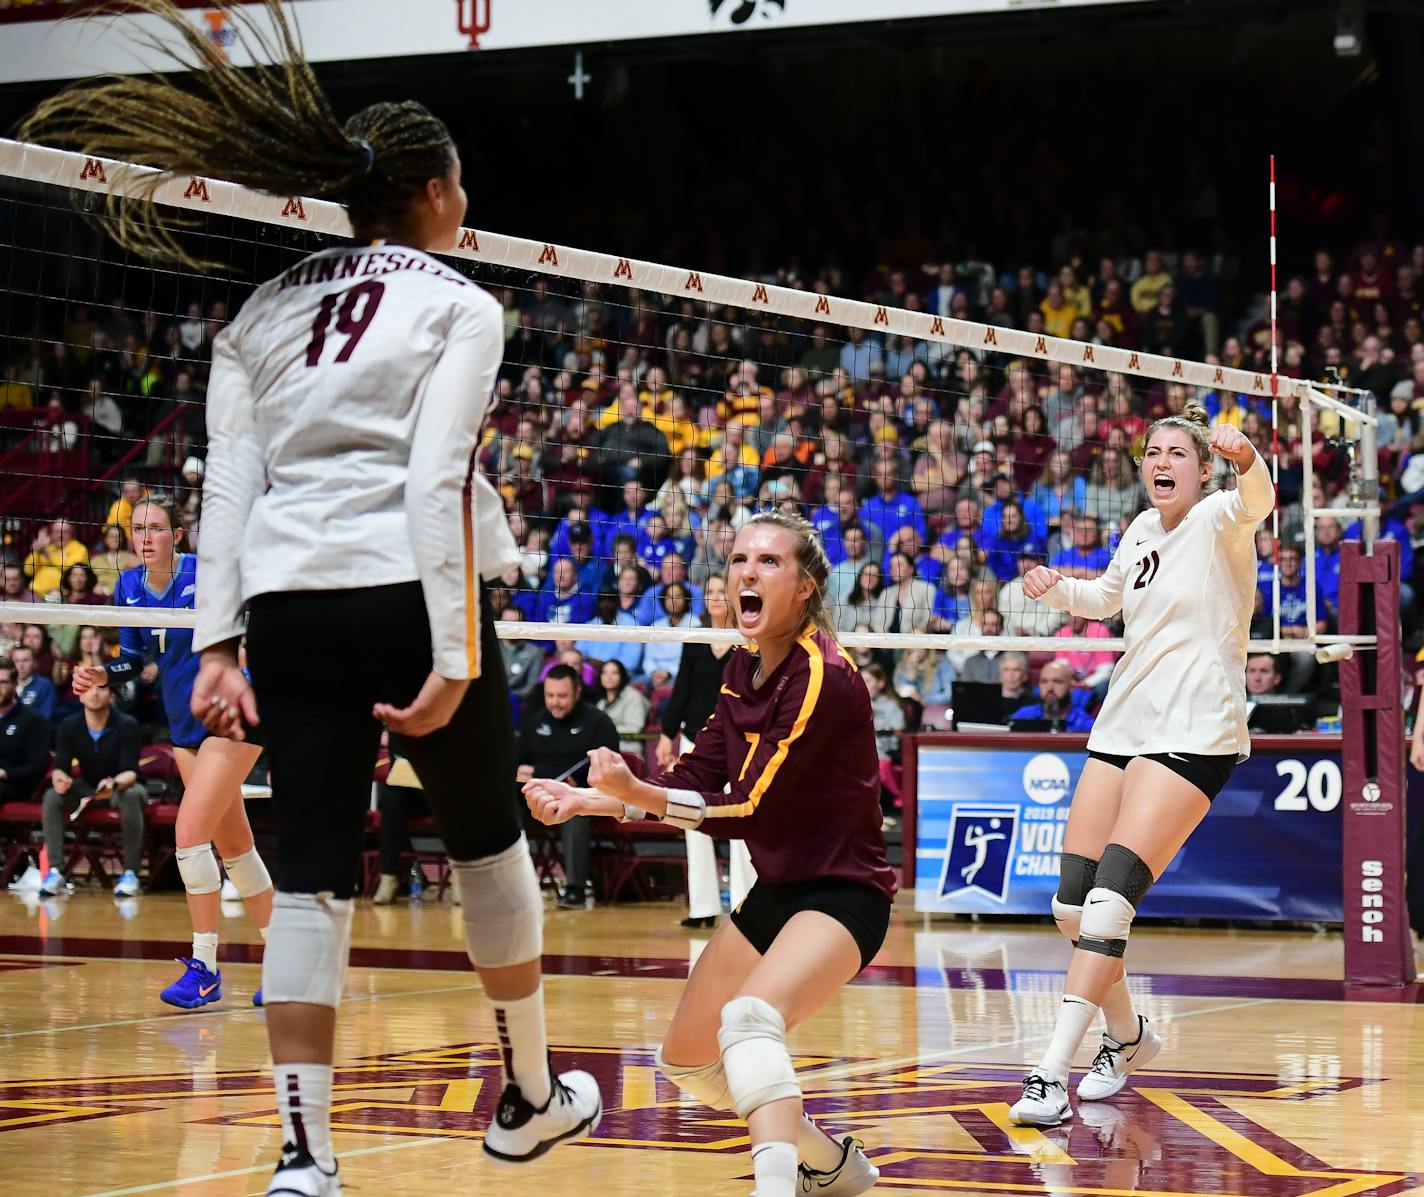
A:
(685, 809)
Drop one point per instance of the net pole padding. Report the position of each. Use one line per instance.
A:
(63, 168)
(1379, 948)
(505, 629)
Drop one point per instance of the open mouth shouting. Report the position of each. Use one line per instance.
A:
(1164, 486)
(749, 608)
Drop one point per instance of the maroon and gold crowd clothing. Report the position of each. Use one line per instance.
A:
(799, 755)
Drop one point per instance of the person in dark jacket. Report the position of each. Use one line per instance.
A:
(24, 740)
(694, 697)
(95, 760)
(555, 737)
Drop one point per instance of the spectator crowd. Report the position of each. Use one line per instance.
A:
(632, 434)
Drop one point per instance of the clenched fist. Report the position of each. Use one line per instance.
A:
(1040, 580)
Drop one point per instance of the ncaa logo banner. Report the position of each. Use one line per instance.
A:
(981, 841)
(990, 819)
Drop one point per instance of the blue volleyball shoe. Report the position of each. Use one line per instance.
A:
(198, 986)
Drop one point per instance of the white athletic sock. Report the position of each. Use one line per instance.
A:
(1117, 1009)
(774, 1166)
(818, 1150)
(524, 1045)
(304, 1103)
(205, 948)
(1075, 1016)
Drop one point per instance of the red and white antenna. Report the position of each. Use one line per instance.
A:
(470, 23)
(1275, 429)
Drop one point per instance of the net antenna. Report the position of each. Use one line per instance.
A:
(470, 22)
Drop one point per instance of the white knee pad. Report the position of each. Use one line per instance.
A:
(308, 944)
(754, 1055)
(501, 906)
(706, 1085)
(1068, 918)
(248, 873)
(199, 869)
(1107, 922)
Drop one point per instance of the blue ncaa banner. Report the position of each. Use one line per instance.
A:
(991, 822)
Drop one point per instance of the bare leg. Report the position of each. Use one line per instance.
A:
(233, 836)
(212, 781)
(1159, 811)
(812, 959)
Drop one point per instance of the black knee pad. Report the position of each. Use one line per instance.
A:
(1075, 878)
(1124, 872)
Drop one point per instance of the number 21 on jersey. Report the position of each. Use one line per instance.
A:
(1147, 570)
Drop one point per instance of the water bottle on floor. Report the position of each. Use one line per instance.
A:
(417, 881)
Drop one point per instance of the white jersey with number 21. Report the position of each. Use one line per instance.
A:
(1186, 597)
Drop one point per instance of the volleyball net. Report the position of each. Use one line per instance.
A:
(645, 410)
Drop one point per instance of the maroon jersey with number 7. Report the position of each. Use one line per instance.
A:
(798, 755)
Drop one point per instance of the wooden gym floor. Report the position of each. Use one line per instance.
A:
(1271, 1081)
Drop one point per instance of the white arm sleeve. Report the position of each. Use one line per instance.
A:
(1099, 599)
(233, 480)
(439, 489)
(1251, 501)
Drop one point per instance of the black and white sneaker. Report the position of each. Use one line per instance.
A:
(1115, 1062)
(854, 1175)
(298, 1175)
(1044, 1102)
(521, 1132)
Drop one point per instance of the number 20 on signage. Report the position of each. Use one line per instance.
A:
(1317, 787)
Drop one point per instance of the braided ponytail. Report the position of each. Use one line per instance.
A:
(269, 127)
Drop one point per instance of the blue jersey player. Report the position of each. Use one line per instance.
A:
(212, 768)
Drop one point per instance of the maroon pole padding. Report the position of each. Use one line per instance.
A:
(1378, 945)
(909, 809)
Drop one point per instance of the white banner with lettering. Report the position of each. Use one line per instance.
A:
(334, 30)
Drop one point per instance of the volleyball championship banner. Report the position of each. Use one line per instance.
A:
(990, 821)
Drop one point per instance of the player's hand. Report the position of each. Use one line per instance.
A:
(1040, 580)
(102, 789)
(432, 709)
(84, 677)
(608, 773)
(1416, 754)
(222, 697)
(1231, 443)
(554, 802)
(666, 752)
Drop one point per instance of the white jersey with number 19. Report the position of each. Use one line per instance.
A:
(1186, 597)
(344, 413)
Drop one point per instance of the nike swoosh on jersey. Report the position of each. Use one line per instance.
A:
(131, 601)
(729, 693)
(1175, 757)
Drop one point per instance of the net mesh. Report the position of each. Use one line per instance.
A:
(644, 411)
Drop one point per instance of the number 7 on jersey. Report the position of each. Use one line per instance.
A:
(354, 308)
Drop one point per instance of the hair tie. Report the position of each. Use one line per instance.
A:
(368, 154)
